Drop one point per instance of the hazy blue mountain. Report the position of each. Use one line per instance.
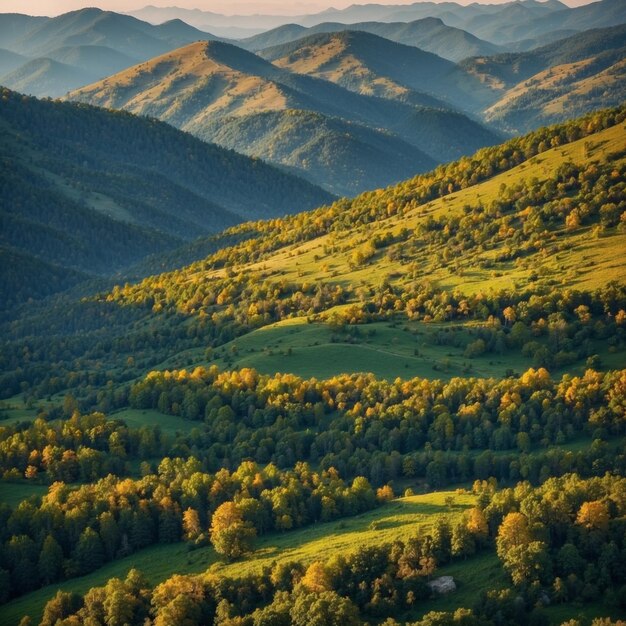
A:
(62, 70)
(62, 53)
(518, 21)
(99, 61)
(45, 77)
(10, 61)
(524, 45)
(453, 14)
(429, 34)
(15, 26)
(123, 33)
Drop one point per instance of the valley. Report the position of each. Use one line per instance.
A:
(313, 320)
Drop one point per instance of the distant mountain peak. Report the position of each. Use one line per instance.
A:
(430, 20)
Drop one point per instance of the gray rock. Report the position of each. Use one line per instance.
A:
(443, 584)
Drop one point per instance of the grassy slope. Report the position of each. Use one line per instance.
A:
(386, 349)
(588, 264)
(399, 519)
(584, 262)
(136, 418)
(14, 493)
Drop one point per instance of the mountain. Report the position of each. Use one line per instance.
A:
(122, 33)
(97, 60)
(505, 70)
(208, 20)
(62, 53)
(95, 191)
(347, 157)
(196, 86)
(564, 90)
(518, 21)
(367, 64)
(63, 70)
(453, 15)
(548, 84)
(15, 26)
(10, 61)
(45, 77)
(429, 34)
(285, 33)
(524, 45)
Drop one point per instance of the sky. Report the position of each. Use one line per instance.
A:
(229, 7)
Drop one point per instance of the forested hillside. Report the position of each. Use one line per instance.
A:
(490, 296)
(534, 210)
(94, 191)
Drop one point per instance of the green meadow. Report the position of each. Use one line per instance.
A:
(12, 493)
(389, 350)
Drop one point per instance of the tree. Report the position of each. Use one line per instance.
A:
(527, 563)
(513, 532)
(50, 560)
(191, 524)
(89, 551)
(385, 493)
(324, 609)
(477, 524)
(316, 578)
(593, 515)
(109, 534)
(569, 561)
(509, 315)
(462, 542)
(61, 606)
(183, 610)
(230, 535)
(5, 585)
(119, 605)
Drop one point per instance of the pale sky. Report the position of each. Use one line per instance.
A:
(228, 7)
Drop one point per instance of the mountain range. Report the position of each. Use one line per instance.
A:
(211, 88)
(430, 34)
(343, 108)
(50, 56)
(507, 23)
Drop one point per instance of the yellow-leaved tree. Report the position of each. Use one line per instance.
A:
(230, 534)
